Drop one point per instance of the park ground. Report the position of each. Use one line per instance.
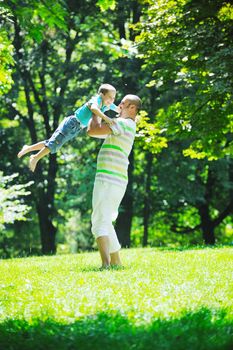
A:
(161, 299)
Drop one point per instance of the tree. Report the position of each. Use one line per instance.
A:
(29, 25)
(51, 42)
(193, 195)
(12, 207)
(189, 46)
(127, 14)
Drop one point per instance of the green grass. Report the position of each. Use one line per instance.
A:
(162, 299)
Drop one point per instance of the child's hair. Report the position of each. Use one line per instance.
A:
(105, 88)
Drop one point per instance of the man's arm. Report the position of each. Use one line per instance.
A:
(96, 129)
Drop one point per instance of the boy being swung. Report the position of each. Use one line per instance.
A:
(72, 125)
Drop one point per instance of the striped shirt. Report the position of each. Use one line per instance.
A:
(112, 161)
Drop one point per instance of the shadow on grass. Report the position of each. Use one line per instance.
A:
(191, 247)
(203, 330)
(99, 269)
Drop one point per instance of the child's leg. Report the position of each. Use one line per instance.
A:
(35, 158)
(26, 149)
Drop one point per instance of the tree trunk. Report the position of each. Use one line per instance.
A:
(129, 85)
(47, 229)
(206, 225)
(124, 220)
(146, 209)
(45, 205)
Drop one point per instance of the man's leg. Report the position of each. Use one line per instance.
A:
(102, 216)
(115, 259)
(103, 246)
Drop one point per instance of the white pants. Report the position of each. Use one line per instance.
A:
(106, 200)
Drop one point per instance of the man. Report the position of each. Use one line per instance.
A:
(111, 176)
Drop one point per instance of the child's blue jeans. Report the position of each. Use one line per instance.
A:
(67, 130)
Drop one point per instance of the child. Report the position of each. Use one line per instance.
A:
(72, 125)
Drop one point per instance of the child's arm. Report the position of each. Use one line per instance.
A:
(95, 110)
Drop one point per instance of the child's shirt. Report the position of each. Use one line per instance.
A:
(84, 114)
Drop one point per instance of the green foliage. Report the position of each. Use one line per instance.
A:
(75, 181)
(189, 46)
(6, 58)
(106, 4)
(11, 205)
(179, 187)
(57, 71)
(163, 299)
(6, 123)
(36, 16)
(150, 134)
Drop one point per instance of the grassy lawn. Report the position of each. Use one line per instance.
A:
(162, 299)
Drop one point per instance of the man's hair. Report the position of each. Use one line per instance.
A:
(134, 100)
(105, 88)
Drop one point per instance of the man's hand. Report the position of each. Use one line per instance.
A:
(99, 130)
(96, 119)
(118, 110)
(109, 121)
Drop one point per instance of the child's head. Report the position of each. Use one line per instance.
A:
(108, 94)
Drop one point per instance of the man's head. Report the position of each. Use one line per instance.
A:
(108, 94)
(130, 106)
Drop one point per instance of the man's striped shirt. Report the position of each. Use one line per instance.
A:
(112, 161)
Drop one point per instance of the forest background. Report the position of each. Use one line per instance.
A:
(178, 57)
